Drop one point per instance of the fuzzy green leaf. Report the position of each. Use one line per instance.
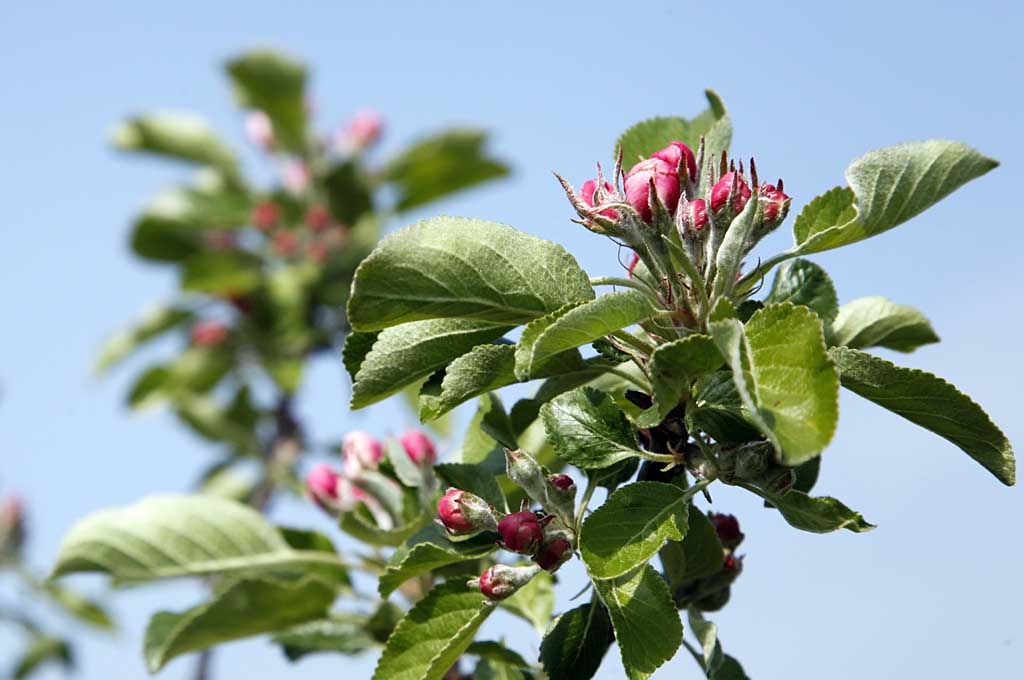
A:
(647, 625)
(434, 634)
(804, 283)
(178, 135)
(429, 549)
(817, 514)
(587, 429)
(456, 267)
(340, 636)
(648, 136)
(152, 325)
(673, 367)
(784, 377)
(274, 83)
(878, 322)
(576, 643)
(931, 402)
(887, 187)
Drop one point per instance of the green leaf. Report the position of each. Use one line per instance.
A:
(240, 609)
(155, 323)
(581, 325)
(707, 634)
(429, 549)
(648, 136)
(222, 272)
(486, 669)
(324, 635)
(931, 402)
(353, 352)
(434, 634)
(631, 526)
(647, 625)
(42, 649)
(534, 602)
(887, 187)
(731, 252)
(349, 193)
(457, 267)
(179, 135)
(80, 607)
(196, 370)
(476, 479)
(587, 429)
(360, 524)
(730, 670)
(440, 165)
(878, 322)
(699, 554)
(576, 643)
(817, 514)
(495, 651)
(406, 353)
(804, 283)
(673, 368)
(171, 536)
(274, 83)
(784, 377)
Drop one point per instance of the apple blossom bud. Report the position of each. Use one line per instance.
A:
(418, 447)
(675, 153)
(720, 194)
(322, 485)
(259, 130)
(208, 333)
(317, 251)
(265, 215)
(360, 451)
(362, 130)
(526, 473)
(587, 192)
(563, 488)
(775, 203)
(695, 215)
(501, 581)
(462, 513)
(318, 217)
(220, 239)
(521, 532)
(12, 525)
(637, 185)
(553, 554)
(284, 242)
(728, 529)
(295, 177)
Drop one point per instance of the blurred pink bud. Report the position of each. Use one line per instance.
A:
(318, 217)
(265, 215)
(259, 130)
(638, 181)
(720, 193)
(675, 153)
(220, 239)
(419, 447)
(208, 334)
(295, 177)
(587, 192)
(285, 242)
(322, 485)
(776, 203)
(363, 129)
(361, 451)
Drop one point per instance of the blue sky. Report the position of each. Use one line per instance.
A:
(933, 592)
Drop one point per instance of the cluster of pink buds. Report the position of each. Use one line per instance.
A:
(315, 237)
(208, 333)
(12, 526)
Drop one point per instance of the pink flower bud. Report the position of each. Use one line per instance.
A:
(521, 532)
(322, 484)
(776, 203)
(449, 510)
(208, 334)
(666, 184)
(12, 525)
(419, 447)
(728, 529)
(317, 251)
(587, 192)
(720, 194)
(285, 242)
(318, 217)
(501, 581)
(295, 177)
(362, 130)
(259, 130)
(554, 554)
(695, 215)
(676, 152)
(563, 483)
(265, 215)
(361, 451)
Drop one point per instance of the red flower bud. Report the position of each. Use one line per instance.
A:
(695, 215)
(776, 204)
(265, 215)
(720, 193)
(727, 527)
(419, 447)
(676, 152)
(554, 554)
(360, 451)
(449, 510)
(318, 217)
(521, 532)
(208, 334)
(637, 185)
(285, 242)
(500, 581)
(587, 192)
(562, 482)
(322, 485)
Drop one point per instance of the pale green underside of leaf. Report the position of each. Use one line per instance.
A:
(886, 188)
(433, 634)
(579, 325)
(178, 135)
(817, 514)
(403, 354)
(576, 643)
(587, 429)
(171, 536)
(154, 323)
(878, 322)
(648, 136)
(931, 402)
(785, 378)
(430, 549)
(804, 283)
(453, 267)
(325, 635)
(647, 625)
(631, 526)
(673, 368)
(240, 609)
